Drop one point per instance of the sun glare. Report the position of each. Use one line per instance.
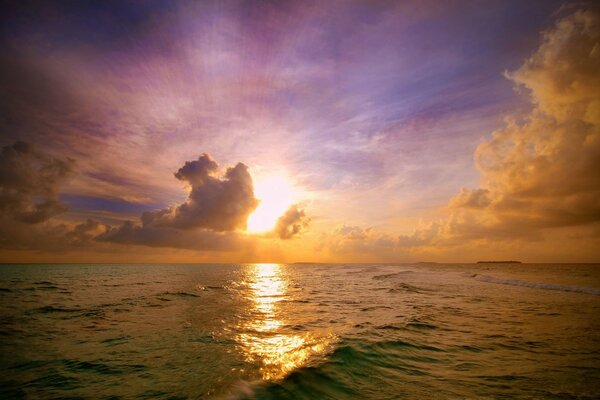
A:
(276, 196)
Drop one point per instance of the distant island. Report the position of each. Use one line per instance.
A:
(499, 262)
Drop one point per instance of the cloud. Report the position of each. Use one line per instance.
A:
(29, 182)
(542, 172)
(426, 234)
(85, 233)
(201, 239)
(213, 203)
(49, 236)
(352, 239)
(209, 218)
(292, 223)
(29, 198)
(357, 240)
(478, 198)
(538, 173)
(16, 235)
(563, 74)
(215, 207)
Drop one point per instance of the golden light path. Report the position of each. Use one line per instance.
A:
(276, 195)
(278, 352)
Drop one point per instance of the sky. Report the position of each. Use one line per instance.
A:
(301, 131)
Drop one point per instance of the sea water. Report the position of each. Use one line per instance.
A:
(314, 331)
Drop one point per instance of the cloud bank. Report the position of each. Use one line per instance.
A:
(540, 171)
(201, 239)
(210, 219)
(29, 183)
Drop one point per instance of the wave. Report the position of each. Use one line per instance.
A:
(537, 285)
(102, 368)
(405, 287)
(365, 270)
(53, 309)
(355, 369)
(93, 312)
(177, 294)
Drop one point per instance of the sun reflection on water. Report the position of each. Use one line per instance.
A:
(266, 342)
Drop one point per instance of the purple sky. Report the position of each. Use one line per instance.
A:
(373, 109)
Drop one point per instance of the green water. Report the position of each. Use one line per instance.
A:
(300, 331)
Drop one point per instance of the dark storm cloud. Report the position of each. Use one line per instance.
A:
(292, 223)
(29, 183)
(213, 203)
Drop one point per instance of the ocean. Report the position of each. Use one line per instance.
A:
(303, 331)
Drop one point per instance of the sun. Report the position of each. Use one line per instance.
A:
(276, 195)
